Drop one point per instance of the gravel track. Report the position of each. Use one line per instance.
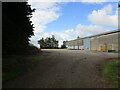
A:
(60, 68)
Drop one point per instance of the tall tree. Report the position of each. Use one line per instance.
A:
(17, 27)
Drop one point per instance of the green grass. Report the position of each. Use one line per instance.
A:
(14, 66)
(110, 72)
(11, 67)
(10, 75)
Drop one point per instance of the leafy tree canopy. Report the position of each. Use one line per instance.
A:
(49, 42)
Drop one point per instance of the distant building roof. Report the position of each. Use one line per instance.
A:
(105, 33)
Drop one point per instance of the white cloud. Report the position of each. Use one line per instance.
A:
(39, 28)
(108, 9)
(41, 5)
(104, 17)
(85, 30)
(44, 17)
(93, 1)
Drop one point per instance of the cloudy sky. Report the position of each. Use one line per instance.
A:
(67, 20)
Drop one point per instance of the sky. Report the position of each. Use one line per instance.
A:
(68, 20)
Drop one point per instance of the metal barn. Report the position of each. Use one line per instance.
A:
(101, 42)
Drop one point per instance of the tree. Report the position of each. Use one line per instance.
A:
(64, 44)
(49, 42)
(41, 42)
(17, 27)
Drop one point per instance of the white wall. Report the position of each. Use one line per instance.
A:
(70, 47)
(81, 47)
(75, 47)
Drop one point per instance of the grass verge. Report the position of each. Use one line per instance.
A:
(11, 67)
(110, 72)
(16, 65)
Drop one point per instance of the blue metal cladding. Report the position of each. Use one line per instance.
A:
(86, 43)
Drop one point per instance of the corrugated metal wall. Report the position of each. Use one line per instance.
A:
(94, 43)
(105, 42)
(86, 43)
(100, 42)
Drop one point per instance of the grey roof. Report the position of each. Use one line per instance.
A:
(105, 33)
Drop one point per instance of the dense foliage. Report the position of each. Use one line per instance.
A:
(64, 44)
(49, 42)
(17, 27)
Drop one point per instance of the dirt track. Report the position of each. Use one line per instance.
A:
(64, 69)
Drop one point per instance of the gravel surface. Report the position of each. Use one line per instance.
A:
(62, 68)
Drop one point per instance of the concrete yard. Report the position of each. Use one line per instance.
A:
(62, 68)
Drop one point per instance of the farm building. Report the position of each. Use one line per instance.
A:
(101, 42)
(75, 44)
